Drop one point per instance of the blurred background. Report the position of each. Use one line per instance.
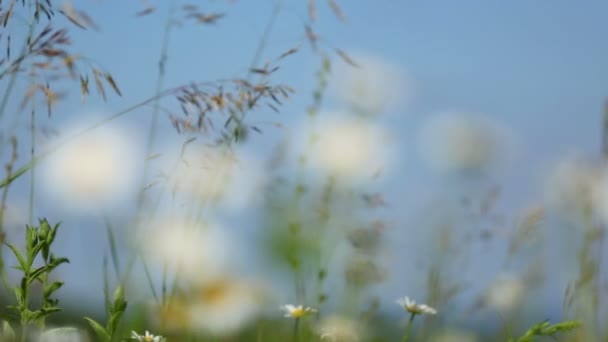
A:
(451, 152)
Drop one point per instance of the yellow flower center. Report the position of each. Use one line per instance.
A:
(298, 312)
(214, 293)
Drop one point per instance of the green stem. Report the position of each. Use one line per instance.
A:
(43, 284)
(33, 154)
(408, 330)
(112, 245)
(4, 197)
(274, 15)
(159, 85)
(24, 310)
(164, 284)
(13, 79)
(149, 279)
(296, 328)
(266, 35)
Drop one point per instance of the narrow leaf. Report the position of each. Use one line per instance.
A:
(100, 331)
(19, 257)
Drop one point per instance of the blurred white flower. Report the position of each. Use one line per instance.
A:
(97, 168)
(248, 181)
(350, 147)
(340, 329)
(147, 337)
(419, 309)
(292, 311)
(14, 216)
(600, 195)
(223, 306)
(199, 173)
(574, 187)
(453, 336)
(195, 250)
(505, 293)
(202, 172)
(373, 88)
(458, 142)
(64, 334)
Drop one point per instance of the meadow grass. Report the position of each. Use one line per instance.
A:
(176, 276)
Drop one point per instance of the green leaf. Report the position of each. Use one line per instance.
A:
(19, 257)
(54, 262)
(44, 230)
(35, 250)
(19, 295)
(100, 331)
(37, 273)
(106, 285)
(546, 329)
(117, 309)
(119, 295)
(46, 268)
(8, 334)
(114, 321)
(51, 237)
(38, 314)
(30, 239)
(52, 288)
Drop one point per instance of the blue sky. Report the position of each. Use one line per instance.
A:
(539, 67)
(535, 65)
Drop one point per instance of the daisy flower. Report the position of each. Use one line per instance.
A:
(147, 337)
(292, 311)
(418, 309)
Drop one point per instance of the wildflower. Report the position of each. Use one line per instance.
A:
(230, 178)
(453, 336)
(222, 306)
(462, 143)
(362, 270)
(414, 309)
(340, 329)
(96, 168)
(417, 309)
(147, 337)
(374, 88)
(350, 147)
(198, 251)
(202, 173)
(600, 197)
(574, 187)
(505, 293)
(61, 334)
(292, 311)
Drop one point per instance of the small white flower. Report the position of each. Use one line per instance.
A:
(147, 337)
(419, 309)
(292, 311)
